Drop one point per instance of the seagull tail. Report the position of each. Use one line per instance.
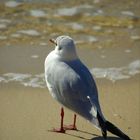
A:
(102, 124)
(116, 131)
(108, 126)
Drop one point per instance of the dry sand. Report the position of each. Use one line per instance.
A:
(28, 113)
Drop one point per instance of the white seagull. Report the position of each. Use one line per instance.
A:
(71, 84)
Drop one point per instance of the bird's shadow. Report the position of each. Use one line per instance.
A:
(108, 138)
(96, 137)
(81, 137)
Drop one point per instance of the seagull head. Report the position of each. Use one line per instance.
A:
(65, 47)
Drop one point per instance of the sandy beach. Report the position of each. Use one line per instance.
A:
(28, 113)
(107, 36)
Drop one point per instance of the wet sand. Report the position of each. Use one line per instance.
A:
(28, 113)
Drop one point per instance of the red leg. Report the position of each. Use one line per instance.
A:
(73, 126)
(61, 129)
(74, 122)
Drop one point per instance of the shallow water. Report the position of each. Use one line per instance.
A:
(107, 36)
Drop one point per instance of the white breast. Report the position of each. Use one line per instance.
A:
(51, 91)
(49, 60)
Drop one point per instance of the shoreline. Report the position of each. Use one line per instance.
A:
(28, 113)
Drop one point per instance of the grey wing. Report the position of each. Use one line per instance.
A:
(75, 88)
(80, 90)
(85, 99)
(83, 82)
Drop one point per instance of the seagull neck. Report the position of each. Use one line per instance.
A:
(66, 57)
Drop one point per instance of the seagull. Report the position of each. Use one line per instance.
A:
(70, 82)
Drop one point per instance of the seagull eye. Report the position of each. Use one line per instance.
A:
(59, 48)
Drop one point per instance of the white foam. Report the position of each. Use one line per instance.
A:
(135, 37)
(76, 26)
(30, 32)
(2, 79)
(3, 26)
(43, 44)
(67, 11)
(96, 1)
(92, 39)
(15, 35)
(34, 82)
(12, 4)
(35, 56)
(15, 76)
(5, 20)
(24, 79)
(134, 67)
(72, 11)
(115, 74)
(97, 28)
(86, 38)
(37, 13)
(127, 13)
(3, 37)
(127, 51)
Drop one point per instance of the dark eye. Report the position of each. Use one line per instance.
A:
(59, 48)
